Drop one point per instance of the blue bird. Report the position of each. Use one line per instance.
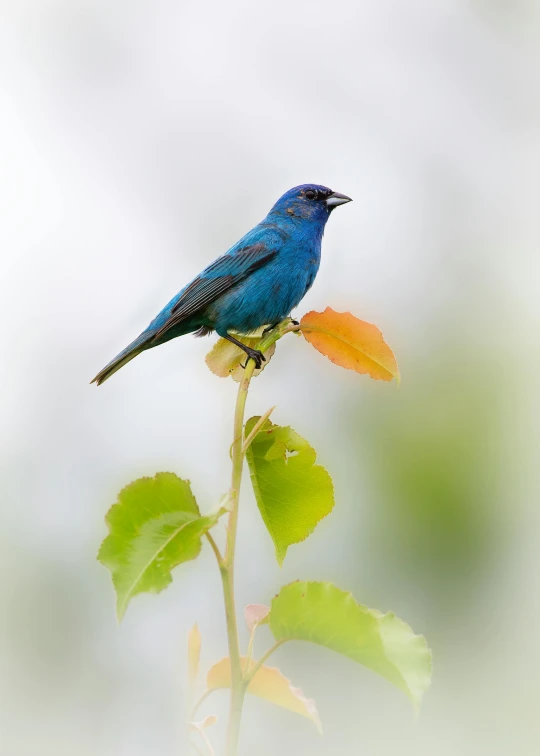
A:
(257, 282)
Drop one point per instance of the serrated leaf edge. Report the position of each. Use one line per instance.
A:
(374, 612)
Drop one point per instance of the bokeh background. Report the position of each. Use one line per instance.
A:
(138, 141)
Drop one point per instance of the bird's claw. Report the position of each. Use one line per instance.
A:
(257, 357)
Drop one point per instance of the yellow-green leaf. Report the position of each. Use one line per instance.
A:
(226, 359)
(293, 493)
(268, 683)
(351, 343)
(324, 614)
(154, 526)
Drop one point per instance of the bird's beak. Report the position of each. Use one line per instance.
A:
(336, 199)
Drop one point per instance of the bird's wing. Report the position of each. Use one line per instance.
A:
(214, 281)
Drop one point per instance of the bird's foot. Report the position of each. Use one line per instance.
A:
(257, 357)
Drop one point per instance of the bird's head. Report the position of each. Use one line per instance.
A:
(310, 202)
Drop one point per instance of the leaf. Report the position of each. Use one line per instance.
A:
(350, 343)
(324, 614)
(268, 683)
(256, 614)
(194, 654)
(226, 359)
(203, 723)
(293, 493)
(154, 526)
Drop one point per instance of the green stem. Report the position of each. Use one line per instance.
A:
(256, 428)
(249, 652)
(227, 567)
(226, 563)
(253, 671)
(215, 548)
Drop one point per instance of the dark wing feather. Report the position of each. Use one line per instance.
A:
(200, 293)
(215, 281)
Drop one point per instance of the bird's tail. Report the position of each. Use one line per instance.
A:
(136, 347)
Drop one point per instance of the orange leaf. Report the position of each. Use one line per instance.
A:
(350, 343)
(268, 683)
(194, 654)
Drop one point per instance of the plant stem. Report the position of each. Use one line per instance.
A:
(200, 701)
(226, 563)
(253, 671)
(256, 428)
(227, 566)
(215, 548)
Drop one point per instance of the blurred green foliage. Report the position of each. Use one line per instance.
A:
(435, 459)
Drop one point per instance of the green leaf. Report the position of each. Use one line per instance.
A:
(324, 614)
(154, 526)
(293, 493)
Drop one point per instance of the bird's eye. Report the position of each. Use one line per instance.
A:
(310, 194)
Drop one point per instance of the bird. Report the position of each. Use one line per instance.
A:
(257, 282)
